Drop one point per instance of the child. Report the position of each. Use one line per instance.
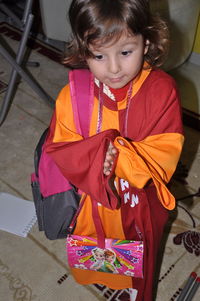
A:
(135, 136)
(110, 258)
(99, 257)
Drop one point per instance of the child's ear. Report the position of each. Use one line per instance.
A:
(146, 46)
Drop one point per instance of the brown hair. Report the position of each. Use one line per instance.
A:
(109, 253)
(107, 20)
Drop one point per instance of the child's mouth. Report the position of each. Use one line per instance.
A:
(116, 80)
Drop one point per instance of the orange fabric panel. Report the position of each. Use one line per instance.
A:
(94, 117)
(153, 158)
(65, 130)
(112, 281)
(110, 118)
(86, 228)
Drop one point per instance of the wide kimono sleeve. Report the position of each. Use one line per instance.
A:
(80, 160)
(155, 129)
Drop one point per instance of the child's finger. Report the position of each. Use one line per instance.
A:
(108, 157)
(121, 142)
(107, 172)
(106, 164)
(114, 151)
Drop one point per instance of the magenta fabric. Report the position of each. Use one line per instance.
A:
(51, 179)
(82, 95)
(81, 86)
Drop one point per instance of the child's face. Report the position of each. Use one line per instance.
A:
(99, 256)
(110, 258)
(116, 64)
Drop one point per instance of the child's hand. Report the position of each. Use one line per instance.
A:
(109, 159)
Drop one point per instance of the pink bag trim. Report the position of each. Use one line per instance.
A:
(82, 97)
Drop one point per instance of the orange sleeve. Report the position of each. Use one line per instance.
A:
(65, 129)
(153, 158)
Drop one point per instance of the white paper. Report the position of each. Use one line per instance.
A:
(17, 215)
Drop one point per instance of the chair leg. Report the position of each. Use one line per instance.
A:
(35, 86)
(7, 101)
(27, 11)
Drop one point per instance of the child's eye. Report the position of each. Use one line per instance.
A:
(125, 53)
(98, 57)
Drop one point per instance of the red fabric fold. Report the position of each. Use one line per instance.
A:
(81, 162)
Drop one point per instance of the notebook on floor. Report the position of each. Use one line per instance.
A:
(17, 215)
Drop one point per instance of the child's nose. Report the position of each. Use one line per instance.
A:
(114, 66)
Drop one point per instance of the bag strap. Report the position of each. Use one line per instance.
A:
(96, 218)
(74, 219)
(38, 151)
(82, 95)
(98, 225)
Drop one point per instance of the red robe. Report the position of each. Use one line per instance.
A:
(143, 167)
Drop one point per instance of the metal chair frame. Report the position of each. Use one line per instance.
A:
(25, 24)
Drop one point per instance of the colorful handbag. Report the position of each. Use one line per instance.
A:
(123, 257)
(102, 254)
